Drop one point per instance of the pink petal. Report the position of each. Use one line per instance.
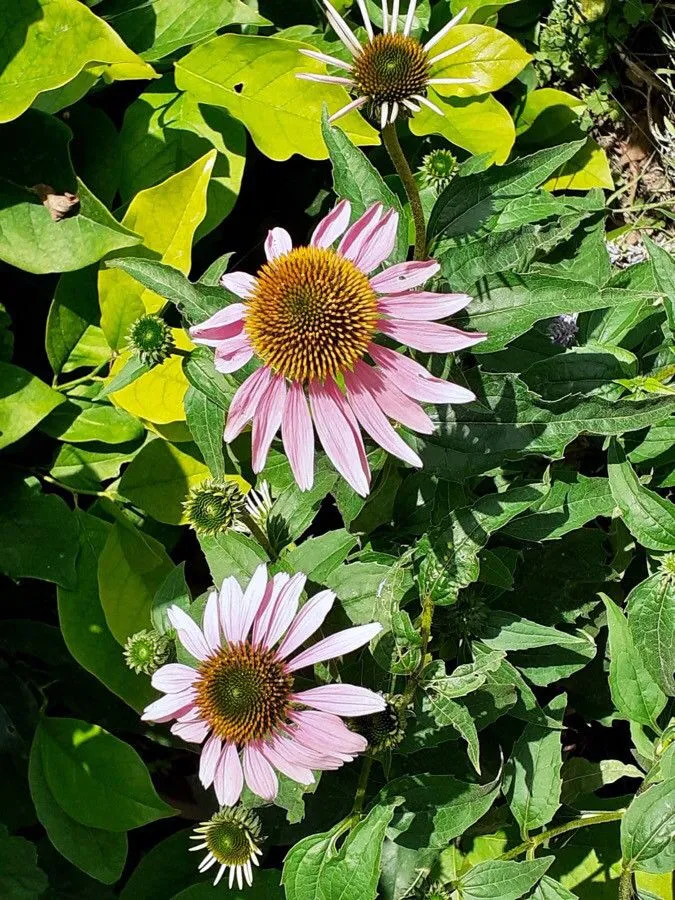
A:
(319, 730)
(277, 243)
(253, 596)
(422, 305)
(285, 608)
(231, 596)
(392, 401)
(414, 380)
(210, 623)
(224, 324)
(294, 751)
(380, 244)
(429, 337)
(171, 706)
(174, 677)
(404, 276)
(229, 778)
(356, 238)
(233, 354)
(298, 436)
(332, 226)
(189, 633)
(342, 699)
(375, 423)
(240, 283)
(259, 774)
(245, 402)
(194, 732)
(310, 617)
(266, 420)
(339, 435)
(293, 770)
(266, 608)
(337, 644)
(208, 760)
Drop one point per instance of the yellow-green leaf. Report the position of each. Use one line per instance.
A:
(588, 168)
(24, 401)
(255, 79)
(166, 217)
(47, 43)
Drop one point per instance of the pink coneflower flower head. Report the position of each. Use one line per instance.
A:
(310, 316)
(392, 71)
(239, 699)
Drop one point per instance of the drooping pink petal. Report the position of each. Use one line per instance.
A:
(245, 402)
(170, 706)
(210, 623)
(194, 732)
(231, 355)
(404, 276)
(174, 677)
(208, 760)
(228, 781)
(297, 434)
(337, 644)
(293, 770)
(380, 244)
(266, 608)
(266, 420)
(332, 226)
(240, 283)
(421, 306)
(375, 423)
(356, 237)
(285, 608)
(339, 435)
(277, 243)
(306, 622)
(230, 598)
(414, 380)
(243, 616)
(259, 774)
(430, 337)
(319, 730)
(393, 402)
(342, 699)
(224, 324)
(189, 633)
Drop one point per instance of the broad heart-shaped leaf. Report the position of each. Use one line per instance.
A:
(83, 623)
(87, 467)
(636, 695)
(164, 131)
(650, 518)
(47, 43)
(20, 876)
(492, 60)
(502, 879)
(315, 870)
(131, 567)
(38, 533)
(25, 402)
(356, 179)
(255, 79)
(99, 853)
(97, 779)
(166, 217)
(164, 26)
(477, 124)
(647, 829)
(532, 773)
(588, 168)
(160, 477)
(651, 617)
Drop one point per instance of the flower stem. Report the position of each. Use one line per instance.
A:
(425, 633)
(626, 885)
(360, 795)
(393, 145)
(538, 839)
(260, 536)
(90, 376)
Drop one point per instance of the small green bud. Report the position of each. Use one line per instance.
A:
(436, 891)
(150, 337)
(668, 566)
(215, 505)
(146, 651)
(438, 169)
(468, 616)
(383, 730)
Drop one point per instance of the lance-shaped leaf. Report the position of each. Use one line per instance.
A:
(651, 617)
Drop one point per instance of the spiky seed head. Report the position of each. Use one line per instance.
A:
(438, 169)
(146, 651)
(383, 730)
(214, 506)
(232, 835)
(150, 337)
(563, 330)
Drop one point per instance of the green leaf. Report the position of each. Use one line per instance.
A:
(317, 557)
(132, 369)
(549, 889)
(31, 520)
(206, 421)
(357, 180)
(25, 402)
(647, 829)
(449, 712)
(581, 776)
(651, 618)
(81, 421)
(88, 466)
(502, 879)
(173, 591)
(20, 876)
(101, 854)
(97, 779)
(371, 591)
(650, 518)
(582, 370)
(315, 870)
(636, 695)
(589, 168)
(163, 871)
(45, 49)
(294, 510)
(254, 78)
(265, 886)
(231, 553)
(131, 567)
(532, 773)
(664, 274)
(83, 623)
(73, 316)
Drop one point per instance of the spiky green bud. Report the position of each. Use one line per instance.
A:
(383, 730)
(146, 651)
(468, 616)
(214, 506)
(150, 337)
(438, 169)
(232, 836)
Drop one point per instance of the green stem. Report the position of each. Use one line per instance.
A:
(626, 885)
(538, 839)
(425, 634)
(75, 491)
(260, 536)
(391, 142)
(91, 376)
(360, 795)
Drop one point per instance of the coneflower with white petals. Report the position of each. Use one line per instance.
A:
(392, 71)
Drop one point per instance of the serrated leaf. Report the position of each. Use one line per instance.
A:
(651, 618)
(502, 879)
(647, 829)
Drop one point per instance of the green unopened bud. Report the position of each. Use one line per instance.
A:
(437, 892)
(438, 169)
(146, 651)
(668, 566)
(468, 616)
(231, 839)
(150, 337)
(383, 730)
(214, 506)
